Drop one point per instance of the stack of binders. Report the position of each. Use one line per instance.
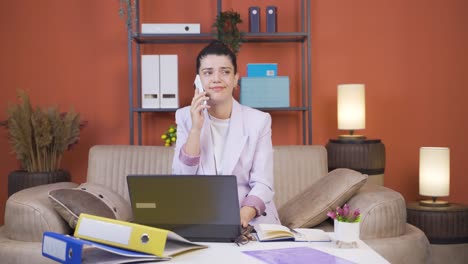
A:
(104, 240)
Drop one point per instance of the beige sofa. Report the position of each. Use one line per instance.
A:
(29, 213)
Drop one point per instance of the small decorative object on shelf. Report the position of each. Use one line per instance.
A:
(271, 19)
(226, 31)
(170, 136)
(346, 225)
(254, 19)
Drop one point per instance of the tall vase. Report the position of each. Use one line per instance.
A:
(18, 180)
(346, 233)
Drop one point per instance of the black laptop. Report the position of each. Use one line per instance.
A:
(199, 208)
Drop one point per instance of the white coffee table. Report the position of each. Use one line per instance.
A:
(230, 253)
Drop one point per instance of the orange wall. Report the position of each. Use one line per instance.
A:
(411, 55)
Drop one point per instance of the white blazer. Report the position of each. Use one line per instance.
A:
(248, 154)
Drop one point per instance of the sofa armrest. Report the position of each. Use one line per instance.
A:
(28, 213)
(383, 211)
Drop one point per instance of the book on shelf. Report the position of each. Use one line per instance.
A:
(276, 232)
(67, 249)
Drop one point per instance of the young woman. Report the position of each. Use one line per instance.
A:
(226, 138)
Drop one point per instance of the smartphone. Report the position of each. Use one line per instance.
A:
(198, 85)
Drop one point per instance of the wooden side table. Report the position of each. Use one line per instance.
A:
(364, 155)
(442, 225)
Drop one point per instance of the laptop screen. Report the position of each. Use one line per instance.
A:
(197, 207)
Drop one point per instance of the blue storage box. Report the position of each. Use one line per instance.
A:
(262, 69)
(265, 92)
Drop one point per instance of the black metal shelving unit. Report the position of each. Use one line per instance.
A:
(303, 37)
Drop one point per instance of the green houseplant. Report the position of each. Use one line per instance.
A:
(39, 137)
(226, 31)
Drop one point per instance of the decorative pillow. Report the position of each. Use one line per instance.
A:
(90, 199)
(310, 207)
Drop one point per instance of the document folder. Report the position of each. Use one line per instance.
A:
(168, 81)
(150, 91)
(67, 249)
(141, 238)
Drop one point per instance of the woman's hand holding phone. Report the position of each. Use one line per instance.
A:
(199, 86)
(198, 104)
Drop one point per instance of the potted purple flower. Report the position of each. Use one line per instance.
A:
(345, 214)
(346, 225)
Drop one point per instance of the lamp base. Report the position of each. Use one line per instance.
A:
(432, 203)
(351, 137)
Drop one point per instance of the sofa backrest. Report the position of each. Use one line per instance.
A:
(109, 165)
(295, 167)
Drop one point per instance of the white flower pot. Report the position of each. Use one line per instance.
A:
(346, 232)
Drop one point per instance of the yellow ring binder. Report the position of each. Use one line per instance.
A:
(145, 238)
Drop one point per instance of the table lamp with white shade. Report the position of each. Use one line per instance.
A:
(351, 109)
(434, 174)
(355, 151)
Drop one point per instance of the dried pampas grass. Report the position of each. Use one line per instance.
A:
(40, 137)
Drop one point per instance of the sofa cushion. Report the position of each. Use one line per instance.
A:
(28, 213)
(310, 207)
(92, 199)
